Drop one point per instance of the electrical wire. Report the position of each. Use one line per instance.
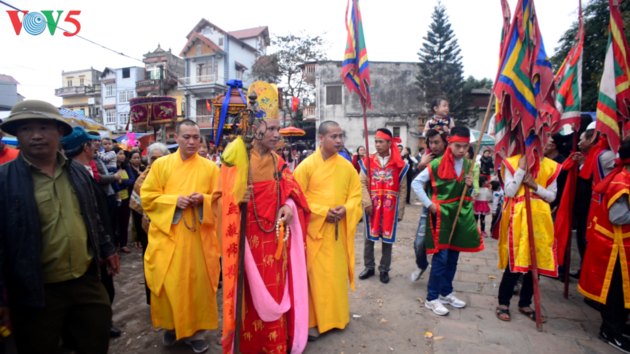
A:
(85, 39)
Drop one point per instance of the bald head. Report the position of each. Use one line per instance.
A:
(188, 123)
(324, 128)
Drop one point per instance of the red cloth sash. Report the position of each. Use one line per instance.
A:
(446, 170)
(562, 229)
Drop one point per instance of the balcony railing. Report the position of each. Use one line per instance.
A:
(202, 120)
(147, 83)
(309, 112)
(201, 80)
(309, 73)
(72, 90)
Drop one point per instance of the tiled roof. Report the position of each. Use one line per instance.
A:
(249, 33)
(205, 40)
(7, 78)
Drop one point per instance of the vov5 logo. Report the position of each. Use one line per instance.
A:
(34, 23)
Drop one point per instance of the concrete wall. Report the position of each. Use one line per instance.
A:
(394, 99)
(89, 76)
(8, 95)
(243, 55)
(126, 85)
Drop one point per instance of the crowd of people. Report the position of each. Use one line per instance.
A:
(69, 196)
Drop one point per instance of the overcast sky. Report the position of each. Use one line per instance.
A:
(393, 31)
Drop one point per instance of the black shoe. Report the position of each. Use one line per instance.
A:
(576, 275)
(198, 346)
(620, 343)
(114, 332)
(384, 277)
(169, 338)
(366, 273)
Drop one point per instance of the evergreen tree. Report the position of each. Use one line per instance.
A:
(441, 68)
(597, 19)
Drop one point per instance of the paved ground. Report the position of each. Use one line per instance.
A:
(392, 319)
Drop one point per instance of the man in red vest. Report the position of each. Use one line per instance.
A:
(605, 274)
(382, 204)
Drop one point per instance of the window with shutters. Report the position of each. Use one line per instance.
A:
(69, 83)
(109, 90)
(111, 117)
(333, 95)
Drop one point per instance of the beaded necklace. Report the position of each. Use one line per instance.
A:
(251, 183)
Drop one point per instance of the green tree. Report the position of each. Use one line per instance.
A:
(283, 68)
(472, 83)
(441, 68)
(597, 19)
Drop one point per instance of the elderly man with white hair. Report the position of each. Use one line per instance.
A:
(139, 218)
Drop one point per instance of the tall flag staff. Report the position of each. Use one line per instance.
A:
(569, 106)
(525, 90)
(355, 70)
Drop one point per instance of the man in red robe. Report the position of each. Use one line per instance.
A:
(271, 190)
(605, 274)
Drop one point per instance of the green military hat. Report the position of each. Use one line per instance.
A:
(33, 109)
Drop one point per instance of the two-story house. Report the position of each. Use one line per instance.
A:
(118, 87)
(213, 57)
(9, 96)
(81, 92)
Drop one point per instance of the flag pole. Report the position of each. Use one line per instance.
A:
(532, 242)
(477, 148)
(367, 147)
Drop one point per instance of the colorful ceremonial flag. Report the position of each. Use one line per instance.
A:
(295, 103)
(355, 70)
(614, 89)
(498, 124)
(569, 82)
(524, 86)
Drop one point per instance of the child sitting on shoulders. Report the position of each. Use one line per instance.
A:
(440, 120)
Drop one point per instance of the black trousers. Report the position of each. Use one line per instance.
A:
(581, 224)
(144, 241)
(483, 222)
(108, 283)
(78, 309)
(614, 314)
(507, 287)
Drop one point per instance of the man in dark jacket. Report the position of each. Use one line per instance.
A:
(51, 240)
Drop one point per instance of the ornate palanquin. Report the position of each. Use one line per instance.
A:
(235, 106)
(152, 110)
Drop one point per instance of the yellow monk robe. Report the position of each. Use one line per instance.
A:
(181, 266)
(329, 184)
(514, 235)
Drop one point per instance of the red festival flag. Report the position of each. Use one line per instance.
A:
(295, 103)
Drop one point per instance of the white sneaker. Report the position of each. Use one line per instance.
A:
(453, 301)
(437, 307)
(416, 274)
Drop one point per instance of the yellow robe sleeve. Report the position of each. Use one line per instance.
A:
(158, 206)
(302, 175)
(354, 211)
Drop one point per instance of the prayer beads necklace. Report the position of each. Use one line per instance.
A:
(194, 219)
(251, 183)
(286, 231)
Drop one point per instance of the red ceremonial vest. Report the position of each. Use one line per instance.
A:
(385, 187)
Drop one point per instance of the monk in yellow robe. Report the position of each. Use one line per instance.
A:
(333, 192)
(182, 260)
